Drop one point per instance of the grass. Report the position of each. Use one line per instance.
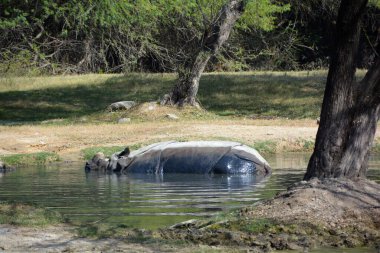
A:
(26, 215)
(68, 99)
(29, 159)
(265, 146)
(88, 153)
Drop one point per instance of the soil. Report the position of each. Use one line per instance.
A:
(57, 239)
(333, 213)
(67, 140)
(63, 239)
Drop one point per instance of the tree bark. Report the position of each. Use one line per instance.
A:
(186, 89)
(350, 110)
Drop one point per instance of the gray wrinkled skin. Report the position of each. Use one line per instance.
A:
(196, 157)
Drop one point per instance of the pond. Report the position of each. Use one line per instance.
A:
(148, 201)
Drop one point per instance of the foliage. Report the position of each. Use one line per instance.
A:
(185, 33)
(375, 3)
(105, 35)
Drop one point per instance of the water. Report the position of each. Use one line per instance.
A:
(148, 201)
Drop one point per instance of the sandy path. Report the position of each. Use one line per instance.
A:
(61, 238)
(72, 138)
(58, 239)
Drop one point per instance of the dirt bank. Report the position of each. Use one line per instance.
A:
(336, 213)
(63, 239)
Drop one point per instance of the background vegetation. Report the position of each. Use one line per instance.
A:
(109, 36)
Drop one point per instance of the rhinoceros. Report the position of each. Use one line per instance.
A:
(194, 157)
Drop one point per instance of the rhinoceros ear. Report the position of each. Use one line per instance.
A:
(125, 152)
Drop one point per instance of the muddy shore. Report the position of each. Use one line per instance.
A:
(329, 213)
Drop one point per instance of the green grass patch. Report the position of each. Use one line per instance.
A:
(256, 226)
(88, 153)
(376, 146)
(268, 147)
(26, 215)
(308, 145)
(30, 159)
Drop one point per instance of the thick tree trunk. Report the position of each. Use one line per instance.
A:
(350, 110)
(185, 91)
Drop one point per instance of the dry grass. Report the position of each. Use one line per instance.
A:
(70, 139)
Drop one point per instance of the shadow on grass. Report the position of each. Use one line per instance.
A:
(223, 94)
(264, 95)
(82, 100)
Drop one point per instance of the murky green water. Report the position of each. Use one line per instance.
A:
(146, 201)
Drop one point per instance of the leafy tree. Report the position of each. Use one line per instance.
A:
(81, 35)
(199, 30)
(161, 35)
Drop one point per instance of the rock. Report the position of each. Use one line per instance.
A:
(294, 246)
(121, 105)
(124, 120)
(185, 224)
(152, 106)
(172, 116)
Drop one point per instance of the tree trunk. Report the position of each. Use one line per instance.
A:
(186, 89)
(350, 110)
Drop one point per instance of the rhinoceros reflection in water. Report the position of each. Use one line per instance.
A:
(198, 157)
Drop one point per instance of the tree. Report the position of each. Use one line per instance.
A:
(78, 35)
(185, 91)
(208, 31)
(350, 109)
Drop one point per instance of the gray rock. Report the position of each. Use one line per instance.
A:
(185, 224)
(152, 106)
(172, 116)
(124, 120)
(121, 105)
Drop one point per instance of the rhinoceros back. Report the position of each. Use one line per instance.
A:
(200, 157)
